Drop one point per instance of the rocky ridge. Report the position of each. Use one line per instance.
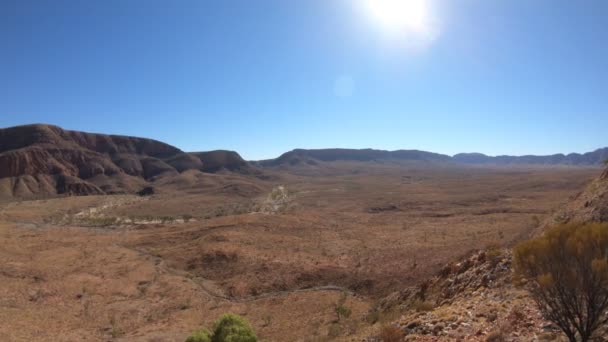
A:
(41, 160)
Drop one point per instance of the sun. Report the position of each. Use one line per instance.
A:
(411, 16)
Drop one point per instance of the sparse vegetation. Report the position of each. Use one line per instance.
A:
(422, 306)
(382, 316)
(100, 221)
(567, 269)
(342, 311)
(334, 330)
(493, 252)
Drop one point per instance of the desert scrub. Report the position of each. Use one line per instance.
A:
(342, 311)
(149, 218)
(279, 193)
(100, 221)
(382, 316)
(496, 336)
(566, 270)
(391, 333)
(422, 306)
(334, 331)
(229, 328)
(493, 252)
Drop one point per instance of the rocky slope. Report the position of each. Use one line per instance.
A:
(590, 205)
(48, 160)
(470, 300)
(475, 299)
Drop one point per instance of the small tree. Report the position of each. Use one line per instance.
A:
(567, 270)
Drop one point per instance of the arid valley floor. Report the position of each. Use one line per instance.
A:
(279, 251)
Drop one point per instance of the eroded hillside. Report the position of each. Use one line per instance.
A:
(45, 160)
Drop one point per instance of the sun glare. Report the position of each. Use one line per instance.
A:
(401, 16)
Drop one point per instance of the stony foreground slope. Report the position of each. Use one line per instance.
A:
(48, 160)
(590, 205)
(475, 299)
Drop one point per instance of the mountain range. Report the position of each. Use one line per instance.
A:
(46, 159)
(299, 156)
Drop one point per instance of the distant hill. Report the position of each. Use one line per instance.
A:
(299, 156)
(313, 157)
(596, 157)
(47, 160)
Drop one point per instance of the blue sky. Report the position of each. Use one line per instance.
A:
(265, 76)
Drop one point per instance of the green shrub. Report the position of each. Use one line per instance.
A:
(232, 328)
(343, 311)
(229, 328)
(567, 271)
(199, 336)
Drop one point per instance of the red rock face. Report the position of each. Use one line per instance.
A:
(74, 161)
